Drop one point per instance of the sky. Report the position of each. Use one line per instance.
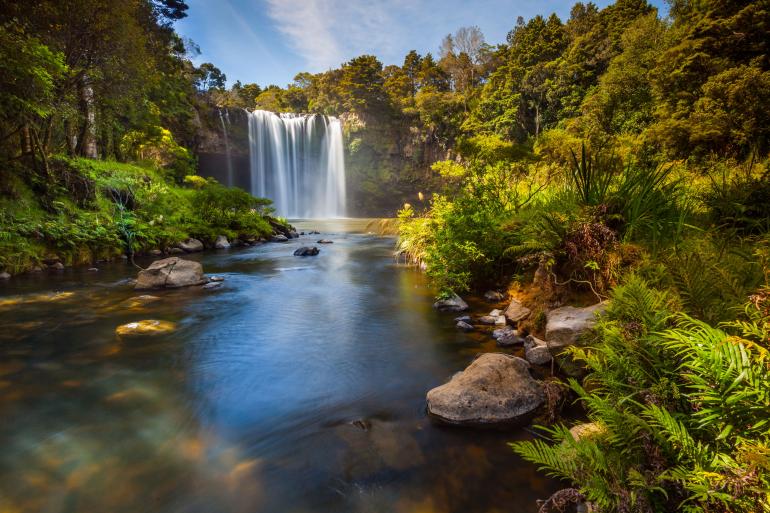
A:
(270, 41)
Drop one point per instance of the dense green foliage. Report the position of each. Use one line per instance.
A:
(681, 410)
(89, 210)
(84, 86)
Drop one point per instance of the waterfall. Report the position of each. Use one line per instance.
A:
(227, 146)
(298, 162)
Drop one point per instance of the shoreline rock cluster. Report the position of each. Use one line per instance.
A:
(498, 388)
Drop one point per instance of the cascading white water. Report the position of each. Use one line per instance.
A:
(298, 162)
(227, 145)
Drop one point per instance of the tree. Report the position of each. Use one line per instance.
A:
(208, 77)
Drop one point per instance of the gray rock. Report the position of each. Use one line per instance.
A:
(314, 232)
(500, 320)
(495, 312)
(5, 275)
(451, 304)
(516, 312)
(493, 295)
(536, 351)
(36, 269)
(172, 272)
(293, 234)
(325, 241)
(279, 238)
(494, 389)
(191, 245)
(176, 251)
(464, 318)
(487, 319)
(509, 339)
(566, 324)
(216, 278)
(93, 269)
(501, 332)
(307, 251)
(221, 242)
(156, 252)
(58, 266)
(212, 285)
(462, 325)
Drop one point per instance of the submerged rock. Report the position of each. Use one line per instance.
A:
(279, 238)
(494, 389)
(144, 328)
(493, 295)
(172, 272)
(307, 251)
(453, 303)
(191, 246)
(314, 232)
(536, 351)
(216, 278)
(325, 241)
(221, 242)
(212, 285)
(464, 318)
(462, 325)
(516, 312)
(566, 324)
(92, 269)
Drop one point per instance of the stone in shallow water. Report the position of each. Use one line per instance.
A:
(191, 245)
(325, 241)
(517, 312)
(212, 285)
(487, 319)
(493, 295)
(307, 251)
(173, 272)
(536, 351)
(216, 278)
(494, 389)
(279, 238)
(462, 325)
(454, 303)
(221, 242)
(464, 318)
(145, 328)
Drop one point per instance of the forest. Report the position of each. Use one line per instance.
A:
(619, 156)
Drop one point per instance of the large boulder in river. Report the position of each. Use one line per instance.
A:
(494, 389)
(453, 303)
(516, 312)
(221, 242)
(191, 245)
(171, 273)
(566, 324)
(307, 251)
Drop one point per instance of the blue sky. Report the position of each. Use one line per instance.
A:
(270, 41)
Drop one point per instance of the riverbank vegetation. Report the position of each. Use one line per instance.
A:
(98, 128)
(626, 160)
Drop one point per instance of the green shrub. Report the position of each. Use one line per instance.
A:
(681, 414)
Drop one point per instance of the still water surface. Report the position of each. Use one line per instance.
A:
(298, 386)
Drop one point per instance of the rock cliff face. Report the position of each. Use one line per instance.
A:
(387, 165)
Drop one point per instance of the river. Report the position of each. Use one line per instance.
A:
(298, 386)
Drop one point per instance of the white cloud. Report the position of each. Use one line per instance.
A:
(326, 33)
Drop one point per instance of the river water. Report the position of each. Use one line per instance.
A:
(298, 386)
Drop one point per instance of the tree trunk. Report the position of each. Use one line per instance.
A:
(87, 137)
(70, 137)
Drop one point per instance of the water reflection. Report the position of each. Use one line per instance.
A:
(298, 386)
